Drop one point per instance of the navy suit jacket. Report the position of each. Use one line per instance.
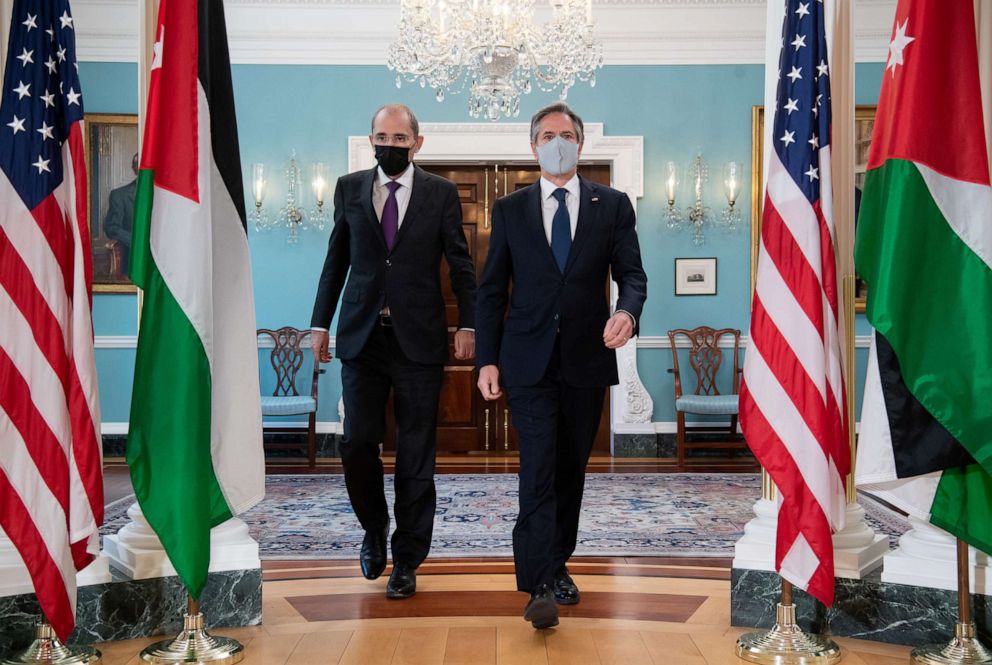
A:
(546, 301)
(407, 278)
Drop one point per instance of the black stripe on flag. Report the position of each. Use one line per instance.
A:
(920, 444)
(215, 77)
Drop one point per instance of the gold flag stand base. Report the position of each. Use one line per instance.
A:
(194, 645)
(786, 643)
(964, 649)
(47, 649)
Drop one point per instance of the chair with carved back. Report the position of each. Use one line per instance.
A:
(286, 400)
(705, 358)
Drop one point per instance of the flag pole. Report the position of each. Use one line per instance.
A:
(965, 646)
(786, 643)
(47, 649)
(194, 645)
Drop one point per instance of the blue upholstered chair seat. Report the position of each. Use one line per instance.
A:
(714, 405)
(287, 405)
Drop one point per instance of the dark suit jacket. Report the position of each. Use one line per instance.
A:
(120, 213)
(546, 301)
(407, 278)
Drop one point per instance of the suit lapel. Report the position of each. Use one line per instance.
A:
(535, 220)
(588, 214)
(368, 182)
(418, 194)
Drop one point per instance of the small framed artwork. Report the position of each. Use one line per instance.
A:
(111, 145)
(695, 277)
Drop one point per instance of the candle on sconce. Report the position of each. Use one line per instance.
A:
(258, 183)
(319, 181)
(588, 11)
(671, 182)
(732, 181)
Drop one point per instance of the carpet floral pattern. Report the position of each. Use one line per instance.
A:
(309, 517)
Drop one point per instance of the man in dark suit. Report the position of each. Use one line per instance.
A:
(392, 225)
(120, 217)
(557, 241)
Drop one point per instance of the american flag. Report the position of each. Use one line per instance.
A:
(51, 486)
(793, 395)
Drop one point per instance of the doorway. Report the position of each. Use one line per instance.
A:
(466, 422)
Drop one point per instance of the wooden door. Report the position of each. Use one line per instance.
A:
(466, 422)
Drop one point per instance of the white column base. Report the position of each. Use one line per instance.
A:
(15, 580)
(137, 552)
(857, 549)
(927, 556)
(756, 548)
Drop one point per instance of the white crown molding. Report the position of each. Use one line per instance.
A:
(352, 32)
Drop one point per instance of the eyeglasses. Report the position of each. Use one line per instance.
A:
(401, 140)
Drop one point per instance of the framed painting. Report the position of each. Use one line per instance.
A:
(695, 277)
(111, 145)
(864, 121)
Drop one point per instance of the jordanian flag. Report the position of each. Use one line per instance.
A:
(195, 442)
(924, 247)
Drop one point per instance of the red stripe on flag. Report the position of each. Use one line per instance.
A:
(49, 585)
(17, 281)
(78, 157)
(44, 448)
(791, 374)
(828, 261)
(796, 272)
(53, 225)
(86, 446)
(800, 512)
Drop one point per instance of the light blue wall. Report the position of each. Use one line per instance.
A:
(313, 109)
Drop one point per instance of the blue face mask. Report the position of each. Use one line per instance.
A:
(558, 156)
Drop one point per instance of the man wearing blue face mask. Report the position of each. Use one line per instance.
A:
(557, 241)
(392, 225)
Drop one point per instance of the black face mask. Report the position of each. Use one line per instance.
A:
(392, 158)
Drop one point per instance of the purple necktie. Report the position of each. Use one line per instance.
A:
(391, 215)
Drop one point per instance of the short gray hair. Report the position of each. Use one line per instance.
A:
(557, 107)
(398, 108)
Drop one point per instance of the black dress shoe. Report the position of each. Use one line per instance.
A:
(541, 609)
(402, 582)
(566, 593)
(373, 555)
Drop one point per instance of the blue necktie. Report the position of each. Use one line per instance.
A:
(561, 230)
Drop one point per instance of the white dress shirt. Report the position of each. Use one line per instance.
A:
(380, 193)
(549, 204)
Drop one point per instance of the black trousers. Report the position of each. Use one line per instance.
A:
(366, 381)
(556, 425)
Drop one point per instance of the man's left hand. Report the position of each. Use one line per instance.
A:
(618, 330)
(464, 344)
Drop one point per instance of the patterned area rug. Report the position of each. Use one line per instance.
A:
(309, 517)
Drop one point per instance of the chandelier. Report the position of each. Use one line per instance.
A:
(494, 48)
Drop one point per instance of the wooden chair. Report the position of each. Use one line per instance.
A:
(705, 358)
(287, 359)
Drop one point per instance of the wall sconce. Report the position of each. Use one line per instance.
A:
(697, 215)
(293, 215)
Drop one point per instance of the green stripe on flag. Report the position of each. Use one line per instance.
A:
(962, 504)
(168, 447)
(931, 296)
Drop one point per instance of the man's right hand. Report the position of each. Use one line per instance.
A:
(489, 382)
(318, 342)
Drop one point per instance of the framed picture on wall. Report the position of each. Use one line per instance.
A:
(864, 122)
(112, 155)
(695, 277)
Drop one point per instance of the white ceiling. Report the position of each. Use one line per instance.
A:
(359, 31)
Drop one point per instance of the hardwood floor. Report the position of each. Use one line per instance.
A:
(634, 611)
